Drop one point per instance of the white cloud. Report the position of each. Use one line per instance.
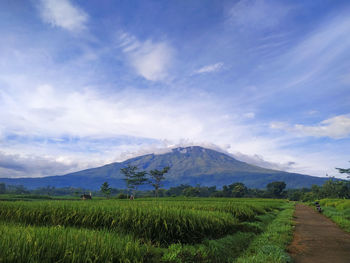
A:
(337, 128)
(172, 120)
(45, 111)
(62, 107)
(257, 13)
(150, 59)
(15, 165)
(62, 13)
(210, 68)
(261, 162)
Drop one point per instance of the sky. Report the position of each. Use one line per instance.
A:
(84, 83)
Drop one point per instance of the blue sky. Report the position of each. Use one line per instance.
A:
(85, 83)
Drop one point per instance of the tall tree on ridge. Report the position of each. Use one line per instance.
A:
(276, 189)
(157, 178)
(344, 171)
(105, 189)
(128, 173)
(138, 178)
(133, 178)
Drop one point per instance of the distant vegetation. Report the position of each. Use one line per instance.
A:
(330, 189)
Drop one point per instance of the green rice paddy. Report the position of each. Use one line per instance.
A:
(144, 230)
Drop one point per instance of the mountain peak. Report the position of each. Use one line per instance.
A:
(188, 165)
(189, 149)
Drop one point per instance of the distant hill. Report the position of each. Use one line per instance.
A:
(190, 165)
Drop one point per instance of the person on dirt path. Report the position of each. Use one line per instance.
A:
(318, 207)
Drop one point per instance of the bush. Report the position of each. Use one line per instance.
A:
(121, 196)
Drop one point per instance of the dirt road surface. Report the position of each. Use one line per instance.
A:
(317, 239)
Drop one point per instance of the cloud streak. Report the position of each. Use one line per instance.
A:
(210, 68)
(261, 14)
(150, 59)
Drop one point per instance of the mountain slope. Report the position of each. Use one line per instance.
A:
(191, 165)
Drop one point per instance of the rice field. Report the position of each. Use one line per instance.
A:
(144, 230)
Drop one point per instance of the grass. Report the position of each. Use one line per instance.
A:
(163, 224)
(271, 245)
(338, 210)
(222, 250)
(164, 230)
(59, 244)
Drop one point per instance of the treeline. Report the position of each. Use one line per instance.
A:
(133, 178)
(237, 190)
(47, 190)
(330, 189)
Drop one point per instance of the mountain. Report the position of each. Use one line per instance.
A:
(190, 165)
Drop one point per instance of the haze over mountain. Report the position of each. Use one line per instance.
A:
(190, 165)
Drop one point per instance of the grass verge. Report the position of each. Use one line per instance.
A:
(338, 210)
(271, 245)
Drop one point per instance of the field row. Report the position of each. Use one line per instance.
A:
(60, 244)
(162, 222)
(139, 231)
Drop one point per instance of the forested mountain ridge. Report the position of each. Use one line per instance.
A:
(188, 165)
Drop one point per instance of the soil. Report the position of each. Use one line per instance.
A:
(317, 239)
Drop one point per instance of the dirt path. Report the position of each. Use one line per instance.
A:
(317, 239)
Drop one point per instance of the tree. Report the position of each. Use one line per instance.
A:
(2, 188)
(239, 190)
(335, 189)
(133, 178)
(19, 189)
(191, 192)
(157, 176)
(128, 173)
(276, 189)
(105, 189)
(226, 191)
(234, 190)
(177, 190)
(316, 190)
(138, 178)
(344, 171)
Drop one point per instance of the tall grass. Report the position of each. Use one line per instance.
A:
(338, 210)
(223, 250)
(193, 230)
(163, 224)
(271, 245)
(59, 244)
